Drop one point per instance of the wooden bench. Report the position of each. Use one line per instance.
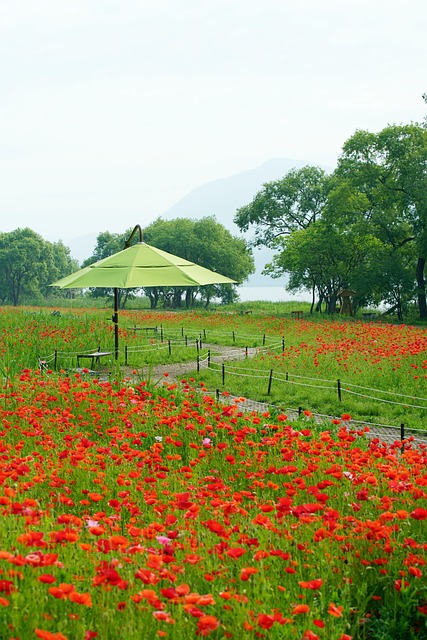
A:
(135, 328)
(297, 314)
(369, 316)
(95, 356)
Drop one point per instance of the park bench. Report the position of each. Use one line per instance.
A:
(297, 314)
(369, 316)
(94, 356)
(135, 328)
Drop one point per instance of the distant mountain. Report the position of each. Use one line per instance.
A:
(223, 197)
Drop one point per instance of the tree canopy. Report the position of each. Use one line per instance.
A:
(364, 226)
(285, 206)
(28, 264)
(205, 242)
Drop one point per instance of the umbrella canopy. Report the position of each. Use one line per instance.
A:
(140, 265)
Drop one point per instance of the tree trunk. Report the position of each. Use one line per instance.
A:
(313, 298)
(421, 288)
(153, 296)
(189, 298)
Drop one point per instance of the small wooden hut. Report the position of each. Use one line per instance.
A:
(345, 296)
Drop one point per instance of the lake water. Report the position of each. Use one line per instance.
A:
(271, 294)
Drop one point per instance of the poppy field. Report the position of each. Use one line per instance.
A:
(136, 509)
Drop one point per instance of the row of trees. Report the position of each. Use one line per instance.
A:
(205, 242)
(29, 264)
(362, 227)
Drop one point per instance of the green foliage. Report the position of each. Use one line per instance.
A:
(207, 243)
(390, 170)
(364, 227)
(285, 206)
(29, 264)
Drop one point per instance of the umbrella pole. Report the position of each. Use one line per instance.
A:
(116, 323)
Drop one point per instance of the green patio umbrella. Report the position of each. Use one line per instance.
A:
(139, 265)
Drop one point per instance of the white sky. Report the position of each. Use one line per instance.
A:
(112, 110)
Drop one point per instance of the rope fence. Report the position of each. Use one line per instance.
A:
(172, 338)
(389, 434)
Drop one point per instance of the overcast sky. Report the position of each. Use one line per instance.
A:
(112, 110)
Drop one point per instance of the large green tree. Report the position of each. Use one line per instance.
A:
(28, 264)
(209, 244)
(336, 230)
(389, 169)
(281, 207)
(205, 242)
(325, 259)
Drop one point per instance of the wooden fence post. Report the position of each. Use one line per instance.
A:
(270, 381)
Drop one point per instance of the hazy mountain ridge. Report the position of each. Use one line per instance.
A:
(220, 198)
(224, 196)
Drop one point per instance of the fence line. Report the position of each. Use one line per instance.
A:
(231, 370)
(206, 360)
(400, 404)
(400, 434)
(393, 393)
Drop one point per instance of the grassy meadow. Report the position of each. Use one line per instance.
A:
(139, 508)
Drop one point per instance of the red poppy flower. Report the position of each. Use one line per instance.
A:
(334, 610)
(300, 608)
(312, 584)
(48, 635)
(419, 514)
(47, 578)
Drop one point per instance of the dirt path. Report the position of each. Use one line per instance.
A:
(218, 354)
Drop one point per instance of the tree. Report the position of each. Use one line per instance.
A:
(390, 170)
(204, 242)
(325, 258)
(209, 244)
(285, 206)
(106, 244)
(362, 216)
(28, 264)
(391, 277)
